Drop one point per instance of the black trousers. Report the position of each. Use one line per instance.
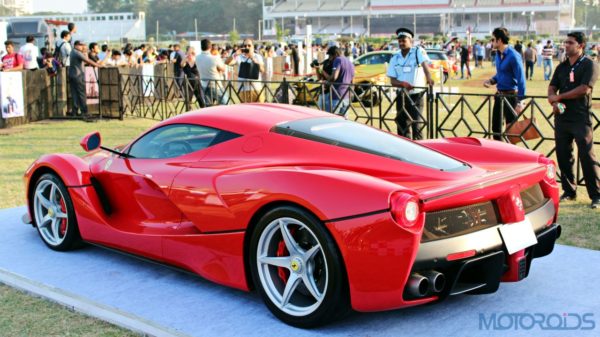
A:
(409, 116)
(464, 64)
(565, 133)
(502, 109)
(77, 86)
(529, 65)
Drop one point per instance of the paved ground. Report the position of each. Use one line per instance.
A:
(162, 301)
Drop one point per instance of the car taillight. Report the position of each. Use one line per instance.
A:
(405, 209)
(550, 168)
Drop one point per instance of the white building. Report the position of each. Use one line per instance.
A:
(382, 17)
(98, 27)
(19, 6)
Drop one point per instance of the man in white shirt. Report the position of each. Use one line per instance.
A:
(115, 60)
(30, 53)
(211, 69)
(250, 68)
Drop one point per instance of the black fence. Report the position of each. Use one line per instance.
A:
(442, 114)
(120, 92)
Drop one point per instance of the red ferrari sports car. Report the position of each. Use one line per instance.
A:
(320, 214)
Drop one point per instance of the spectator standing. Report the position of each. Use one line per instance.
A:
(41, 57)
(50, 64)
(269, 54)
(519, 48)
(212, 69)
(139, 54)
(115, 59)
(547, 55)
(295, 59)
(403, 71)
(76, 74)
(530, 59)
(93, 53)
(250, 68)
(341, 76)
(509, 81)
(30, 54)
(72, 31)
(479, 54)
(572, 85)
(190, 69)
(11, 61)
(177, 57)
(104, 53)
(64, 48)
(540, 48)
(464, 61)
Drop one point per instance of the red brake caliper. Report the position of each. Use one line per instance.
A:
(63, 223)
(282, 251)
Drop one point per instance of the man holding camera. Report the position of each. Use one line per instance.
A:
(250, 68)
(337, 98)
(403, 72)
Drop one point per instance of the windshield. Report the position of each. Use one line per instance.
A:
(359, 137)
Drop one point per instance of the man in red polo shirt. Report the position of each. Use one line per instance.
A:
(11, 61)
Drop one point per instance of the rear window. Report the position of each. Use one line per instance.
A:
(25, 27)
(436, 56)
(359, 137)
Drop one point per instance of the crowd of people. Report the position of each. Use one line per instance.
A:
(569, 90)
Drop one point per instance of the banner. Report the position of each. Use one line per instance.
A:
(11, 94)
(91, 85)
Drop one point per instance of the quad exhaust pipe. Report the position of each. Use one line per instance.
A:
(424, 283)
(418, 285)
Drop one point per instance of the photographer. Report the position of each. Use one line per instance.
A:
(337, 99)
(326, 67)
(250, 68)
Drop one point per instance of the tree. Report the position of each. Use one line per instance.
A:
(234, 37)
(104, 6)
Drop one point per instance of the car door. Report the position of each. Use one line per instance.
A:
(136, 186)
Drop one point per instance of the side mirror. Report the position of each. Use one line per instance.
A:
(91, 141)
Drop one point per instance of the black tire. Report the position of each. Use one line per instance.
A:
(68, 236)
(335, 295)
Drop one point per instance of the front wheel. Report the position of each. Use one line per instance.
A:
(54, 214)
(297, 268)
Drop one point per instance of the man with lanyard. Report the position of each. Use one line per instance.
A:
(403, 72)
(509, 81)
(571, 87)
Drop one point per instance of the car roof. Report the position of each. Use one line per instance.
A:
(245, 118)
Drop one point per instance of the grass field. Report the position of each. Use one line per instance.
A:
(23, 315)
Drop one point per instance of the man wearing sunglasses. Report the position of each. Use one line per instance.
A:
(250, 68)
(509, 81)
(408, 69)
(570, 93)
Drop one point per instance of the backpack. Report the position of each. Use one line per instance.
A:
(57, 55)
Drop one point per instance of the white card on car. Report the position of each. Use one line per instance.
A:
(517, 236)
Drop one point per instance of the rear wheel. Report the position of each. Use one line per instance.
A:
(297, 269)
(54, 214)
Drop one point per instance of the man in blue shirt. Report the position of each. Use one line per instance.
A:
(509, 81)
(408, 68)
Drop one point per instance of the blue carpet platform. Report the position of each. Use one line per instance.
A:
(159, 301)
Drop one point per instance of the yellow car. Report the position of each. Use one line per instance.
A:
(371, 67)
